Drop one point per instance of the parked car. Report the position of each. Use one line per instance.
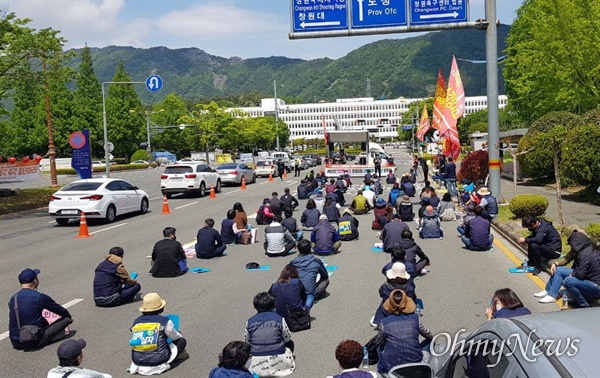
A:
(285, 157)
(97, 163)
(190, 179)
(264, 168)
(140, 162)
(304, 164)
(316, 158)
(233, 173)
(568, 346)
(103, 198)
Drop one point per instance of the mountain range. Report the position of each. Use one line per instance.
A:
(405, 67)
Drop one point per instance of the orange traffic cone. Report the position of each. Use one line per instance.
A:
(270, 177)
(83, 230)
(165, 209)
(243, 184)
(212, 192)
(285, 174)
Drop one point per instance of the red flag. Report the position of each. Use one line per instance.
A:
(438, 103)
(325, 135)
(423, 124)
(454, 109)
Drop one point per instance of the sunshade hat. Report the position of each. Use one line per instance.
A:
(406, 305)
(484, 191)
(152, 302)
(398, 270)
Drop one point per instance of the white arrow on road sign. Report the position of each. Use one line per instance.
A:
(154, 83)
(360, 10)
(441, 15)
(316, 24)
(111, 146)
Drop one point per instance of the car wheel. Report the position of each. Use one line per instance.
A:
(144, 206)
(218, 187)
(111, 214)
(202, 190)
(62, 221)
(169, 195)
(254, 179)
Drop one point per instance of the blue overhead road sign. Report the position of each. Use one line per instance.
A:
(424, 12)
(319, 15)
(378, 13)
(154, 83)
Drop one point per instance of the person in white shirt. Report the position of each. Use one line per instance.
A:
(70, 355)
(369, 195)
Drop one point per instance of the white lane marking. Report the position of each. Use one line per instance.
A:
(264, 182)
(4, 335)
(252, 216)
(108, 228)
(233, 191)
(186, 205)
(155, 198)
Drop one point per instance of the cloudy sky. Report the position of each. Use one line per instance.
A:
(244, 28)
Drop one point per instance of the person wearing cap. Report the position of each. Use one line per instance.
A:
(543, 242)
(488, 202)
(477, 235)
(405, 209)
(278, 240)
(380, 214)
(348, 226)
(209, 243)
(113, 286)
(70, 355)
(325, 238)
(392, 232)
(400, 330)
(151, 351)
(369, 195)
(309, 268)
(25, 309)
(360, 204)
(430, 225)
(397, 278)
(168, 256)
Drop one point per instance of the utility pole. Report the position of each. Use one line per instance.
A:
(276, 112)
(491, 56)
(51, 150)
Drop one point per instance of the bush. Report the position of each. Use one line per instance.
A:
(140, 155)
(474, 166)
(593, 230)
(580, 159)
(528, 204)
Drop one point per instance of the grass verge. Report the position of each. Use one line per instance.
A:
(26, 199)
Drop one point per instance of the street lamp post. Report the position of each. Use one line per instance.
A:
(276, 112)
(148, 147)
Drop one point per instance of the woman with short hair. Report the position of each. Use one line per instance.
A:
(505, 304)
(234, 361)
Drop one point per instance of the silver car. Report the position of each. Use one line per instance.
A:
(232, 173)
(550, 344)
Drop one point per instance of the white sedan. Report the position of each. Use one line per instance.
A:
(103, 198)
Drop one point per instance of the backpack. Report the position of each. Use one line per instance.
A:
(260, 215)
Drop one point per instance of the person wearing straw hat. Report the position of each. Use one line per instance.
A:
(348, 226)
(151, 352)
(488, 202)
(70, 355)
(397, 278)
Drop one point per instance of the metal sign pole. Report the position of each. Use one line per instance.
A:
(491, 54)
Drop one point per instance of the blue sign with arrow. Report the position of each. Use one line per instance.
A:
(423, 12)
(154, 83)
(378, 13)
(322, 15)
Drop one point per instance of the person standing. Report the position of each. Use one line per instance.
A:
(113, 286)
(168, 256)
(208, 241)
(425, 168)
(297, 167)
(451, 177)
(25, 309)
(544, 242)
(278, 240)
(70, 356)
(280, 168)
(377, 162)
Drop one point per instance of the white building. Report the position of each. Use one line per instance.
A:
(380, 117)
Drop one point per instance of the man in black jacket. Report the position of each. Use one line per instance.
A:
(168, 257)
(544, 241)
(288, 200)
(208, 241)
(583, 285)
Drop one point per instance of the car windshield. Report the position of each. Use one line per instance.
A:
(227, 166)
(178, 169)
(263, 163)
(81, 187)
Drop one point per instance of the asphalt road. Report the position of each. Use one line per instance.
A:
(215, 306)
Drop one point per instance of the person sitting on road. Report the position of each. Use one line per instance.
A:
(229, 231)
(408, 188)
(347, 179)
(360, 204)
(341, 184)
(310, 215)
(331, 210)
(380, 214)
(112, 284)
(412, 175)
(309, 267)
(234, 361)
(288, 200)
(168, 256)
(270, 340)
(544, 242)
(278, 240)
(377, 187)
(25, 309)
(430, 225)
(340, 199)
(397, 278)
(288, 291)
(413, 251)
(348, 226)
(469, 214)
(488, 202)
(422, 209)
(152, 352)
(208, 241)
(325, 238)
(392, 232)
(398, 255)
(330, 187)
(241, 219)
(367, 178)
(310, 175)
(477, 235)
(369, 195)
(434, 200)
(292, 226)
(585, 267)
(506, 304)
(303, 190)
(70, 356)
(264, 215)
(583, 286)
(446, 208)
(405, 209)
(275, 204)
(390, 178)
(394, 194)
(349, 354)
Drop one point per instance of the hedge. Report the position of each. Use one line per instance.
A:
(528, 204)
(97, 169)
(593, 231)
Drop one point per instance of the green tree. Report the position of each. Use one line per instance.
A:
(124, 127)
(87, 104)
(580, 157)
(24, 120)
(553, 54)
